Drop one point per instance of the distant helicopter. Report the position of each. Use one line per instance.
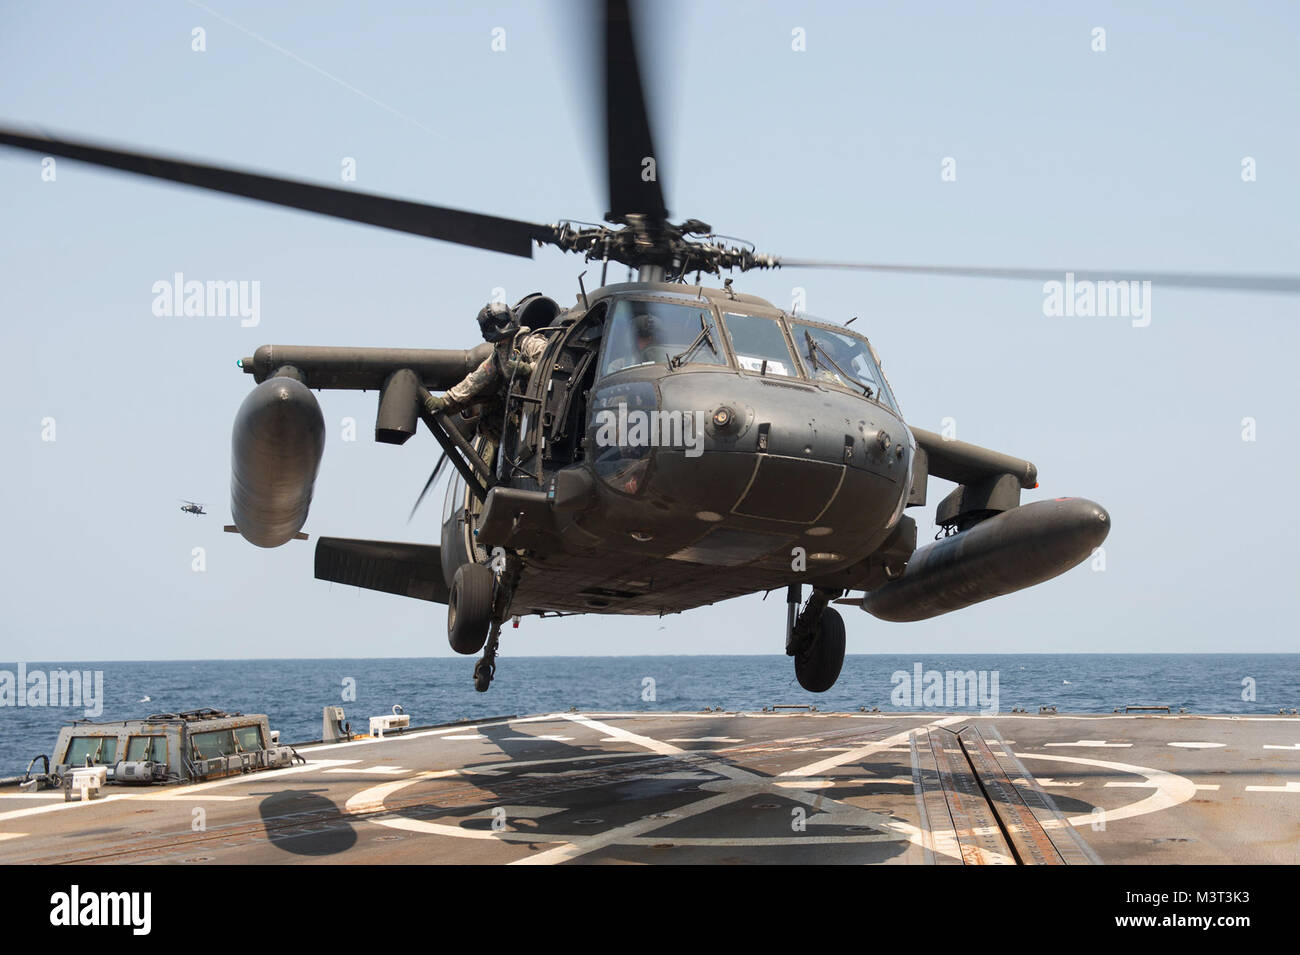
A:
(795, 471)
(189, 507)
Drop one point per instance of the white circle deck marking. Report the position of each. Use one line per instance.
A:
(736, 783)
(1170, 789)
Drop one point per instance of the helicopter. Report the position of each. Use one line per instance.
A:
(676, 444)
(190, 507)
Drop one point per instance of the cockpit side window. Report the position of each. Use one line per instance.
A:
(645, 333)
(760, 346)
(840, 358)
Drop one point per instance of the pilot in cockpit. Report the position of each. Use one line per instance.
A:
(644, 348)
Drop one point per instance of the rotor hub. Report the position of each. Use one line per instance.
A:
(636, 241)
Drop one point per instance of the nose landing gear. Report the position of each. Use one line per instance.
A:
(815, 638)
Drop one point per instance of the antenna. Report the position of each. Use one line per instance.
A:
(583, 289)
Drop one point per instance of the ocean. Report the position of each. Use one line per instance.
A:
(292, 693)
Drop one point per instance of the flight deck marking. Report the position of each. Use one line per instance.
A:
(1092, 742)
(189, 792)
(829, 811)
(1171, 789)
(423, 734)
(1291, 787)
(862, 752)
(368, 800)
(1194, 745)
(747, 783)
(1292, 746)
(686, 775)
(741, 784)
(736, 784)
(804, 783)
(187, 797)
(1148, 784)
(40, 797)
(369, 770)
(529, 812)
(574, 848)
(705, 739)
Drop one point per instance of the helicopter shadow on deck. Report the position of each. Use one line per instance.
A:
(575, 789)
(304, 823)
(573, 795)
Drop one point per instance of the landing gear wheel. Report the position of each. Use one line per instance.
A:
(469, 608)
(817, 666)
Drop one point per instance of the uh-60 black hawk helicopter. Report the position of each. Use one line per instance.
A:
(190, 507)
(674, 445)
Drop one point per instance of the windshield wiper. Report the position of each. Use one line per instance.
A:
(814, 346)
(704, 336)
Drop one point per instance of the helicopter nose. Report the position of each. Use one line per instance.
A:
(779, 455)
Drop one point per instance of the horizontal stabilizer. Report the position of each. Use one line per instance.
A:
(392, 567)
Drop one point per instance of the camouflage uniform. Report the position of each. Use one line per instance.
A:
(487, 386)
(493, 375)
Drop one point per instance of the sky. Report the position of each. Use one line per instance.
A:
(1065, 157)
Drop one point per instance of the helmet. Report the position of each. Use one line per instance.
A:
(496, 322)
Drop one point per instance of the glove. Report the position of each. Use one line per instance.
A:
(435, 403)
(519, 368)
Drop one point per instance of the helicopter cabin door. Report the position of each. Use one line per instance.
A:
(563, 404)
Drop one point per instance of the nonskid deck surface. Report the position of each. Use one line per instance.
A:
(719, 788)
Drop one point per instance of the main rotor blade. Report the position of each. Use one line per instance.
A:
(1210, 280)
(437, 469)
(633, 168)
(435, 222)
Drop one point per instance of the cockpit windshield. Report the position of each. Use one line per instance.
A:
(760, 345)
(642, 333)
(842, 358)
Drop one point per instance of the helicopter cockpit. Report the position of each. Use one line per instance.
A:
(840, 357)
(657, 332)
(610, 356)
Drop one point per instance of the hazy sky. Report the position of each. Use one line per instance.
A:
(1129, 158)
